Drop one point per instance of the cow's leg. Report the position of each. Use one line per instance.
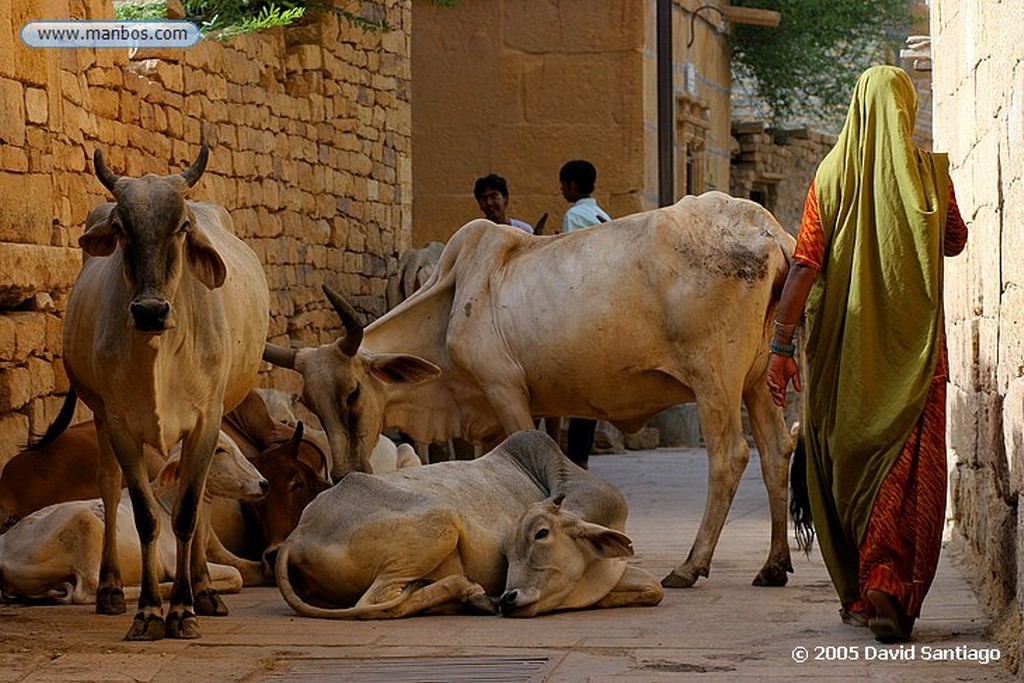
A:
(719, 411)
(110, 588)
(196, 453)
(774, 446)
(148, 623)
(636, 588)
(207, 601)
(449, 594)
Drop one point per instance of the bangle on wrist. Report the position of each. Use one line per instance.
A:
(787, 350)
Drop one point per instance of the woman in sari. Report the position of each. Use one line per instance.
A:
(868, 278)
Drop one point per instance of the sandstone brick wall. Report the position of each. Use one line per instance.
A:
(978, 79)
(777, 168)
(309, 130)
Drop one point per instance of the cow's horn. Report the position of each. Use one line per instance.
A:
(557, 501)
(193, 173)
(278, 355)
(104, 174)
(349, 344)
(297, 439)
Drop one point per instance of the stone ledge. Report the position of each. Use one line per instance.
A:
(33, 269)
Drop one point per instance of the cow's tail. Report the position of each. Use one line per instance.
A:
(303, 608)
(57, 427)
(800, 500)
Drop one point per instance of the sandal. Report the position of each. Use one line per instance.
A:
(890, 626)
(852, 618)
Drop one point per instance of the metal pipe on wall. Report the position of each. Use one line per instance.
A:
(666, 114)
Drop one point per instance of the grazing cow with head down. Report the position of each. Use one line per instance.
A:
(446, 536)
(163, 334)
(53, 554)
(617, 322)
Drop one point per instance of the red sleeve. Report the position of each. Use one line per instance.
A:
(956, 230)
(810, 243)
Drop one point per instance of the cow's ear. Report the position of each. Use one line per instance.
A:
(608, 543)
(400, 368)
(99, 238)
(204, 259)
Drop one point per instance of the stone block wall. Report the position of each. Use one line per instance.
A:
(310, 135)
(978, 82)
(777, 168)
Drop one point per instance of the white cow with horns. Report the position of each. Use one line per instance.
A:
(616, 322)
(163, 334)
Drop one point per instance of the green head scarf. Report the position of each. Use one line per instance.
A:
(874, 313)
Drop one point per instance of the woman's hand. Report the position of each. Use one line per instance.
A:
(782, 369)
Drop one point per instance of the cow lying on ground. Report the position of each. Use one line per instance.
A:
(60, 471)
(54, 553)
(446, 536)
(295, 467)
(617, 322)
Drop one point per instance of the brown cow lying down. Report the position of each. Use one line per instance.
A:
(62, 470)
(54, 554)
(521, 522)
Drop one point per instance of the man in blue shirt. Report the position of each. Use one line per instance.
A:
(578, 178)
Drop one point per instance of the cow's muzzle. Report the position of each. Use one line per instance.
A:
(509, 605)
(151, 314)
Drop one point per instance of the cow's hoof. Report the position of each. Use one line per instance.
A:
(677, 580)
(110, 601)
(182, 625)
(483, 603)
(210, 604)
(146, 627)
(771, 576)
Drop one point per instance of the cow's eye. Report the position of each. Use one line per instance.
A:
(352, 397)
(296, 484)
(541, 534)
(185, 226)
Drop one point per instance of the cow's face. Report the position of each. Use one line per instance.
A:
(556, 560)
(347, 387)
(158, 237)
(349, 395)
(293, 484)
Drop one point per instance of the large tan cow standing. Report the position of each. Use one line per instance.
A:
(616, 322)
(163, 334)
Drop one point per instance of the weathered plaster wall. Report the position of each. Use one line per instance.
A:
(978, 86)
(310, 130)
(517, 88)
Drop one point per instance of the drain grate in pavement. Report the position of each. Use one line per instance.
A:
(418, 670)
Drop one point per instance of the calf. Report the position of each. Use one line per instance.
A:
(444, 536)
(54, 553)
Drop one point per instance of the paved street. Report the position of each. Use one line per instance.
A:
(723, 629)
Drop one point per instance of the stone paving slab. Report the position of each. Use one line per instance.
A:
(723, 629)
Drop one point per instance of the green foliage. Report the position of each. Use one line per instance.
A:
(225, 19)
(807, 66)
(229, 18)
(157, 9)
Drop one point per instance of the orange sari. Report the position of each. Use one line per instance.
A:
(900, 552)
